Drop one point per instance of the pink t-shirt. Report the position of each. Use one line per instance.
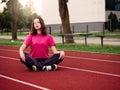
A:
(39, 45)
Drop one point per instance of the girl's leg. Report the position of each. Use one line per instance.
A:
(50, 63)
(30, 62)
(26, 64)
(52, 60)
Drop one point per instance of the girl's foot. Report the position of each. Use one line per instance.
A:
(49, 67)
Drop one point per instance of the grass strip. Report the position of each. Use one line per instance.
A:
(114, 49)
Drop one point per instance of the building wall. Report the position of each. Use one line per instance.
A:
(77, 27)
(113, 5)
(84, 15)
(80, 11)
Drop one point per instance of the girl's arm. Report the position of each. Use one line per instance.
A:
(54, 50)
(21, 52)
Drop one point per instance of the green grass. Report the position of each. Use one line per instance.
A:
(106, 32)
(114, 49)
(8, 42)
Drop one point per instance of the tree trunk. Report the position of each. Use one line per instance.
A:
(14, 19)
(12, 11)
(64, 14)
(14, 29)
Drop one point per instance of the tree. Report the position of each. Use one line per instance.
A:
(64, 14)
(22, 18)
(4, 18)
(12, 10)
(113, 21)
(29, 12)
(25, 14)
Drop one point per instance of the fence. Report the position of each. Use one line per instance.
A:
(75, 28)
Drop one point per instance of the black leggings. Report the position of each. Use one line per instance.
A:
(40, 62)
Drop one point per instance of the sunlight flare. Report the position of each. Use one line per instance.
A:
(36, 5)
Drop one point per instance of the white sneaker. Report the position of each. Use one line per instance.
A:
(34, 68)
(49, 67)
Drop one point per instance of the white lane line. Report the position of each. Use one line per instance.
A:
(91, 59)
(91, 71)
(9, 58)
(94, 59)
(26, 83)
(78, 69)
(9, 50)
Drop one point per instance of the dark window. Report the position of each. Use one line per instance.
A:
(112, 5)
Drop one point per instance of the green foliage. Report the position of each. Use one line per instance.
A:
(4, 18)
(24, 15)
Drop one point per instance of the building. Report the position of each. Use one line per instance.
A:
(85, 15)
(112, 6)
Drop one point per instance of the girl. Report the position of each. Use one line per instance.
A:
(39, 42)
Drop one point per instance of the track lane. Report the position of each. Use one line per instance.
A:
(11, 83)
(93, 65)
(61, 79)
(84, 63)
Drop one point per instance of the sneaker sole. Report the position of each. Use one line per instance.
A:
(34, 68)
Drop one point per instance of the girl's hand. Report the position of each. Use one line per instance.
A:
(62, 54)
(22, 56)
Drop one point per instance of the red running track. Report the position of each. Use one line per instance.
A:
(78, 71)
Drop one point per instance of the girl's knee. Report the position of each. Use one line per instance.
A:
(62, 54)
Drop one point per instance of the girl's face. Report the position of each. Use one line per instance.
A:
(37, 24)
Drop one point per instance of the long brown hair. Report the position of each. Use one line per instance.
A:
(43, 27)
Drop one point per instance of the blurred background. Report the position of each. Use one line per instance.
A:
(85, 16)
